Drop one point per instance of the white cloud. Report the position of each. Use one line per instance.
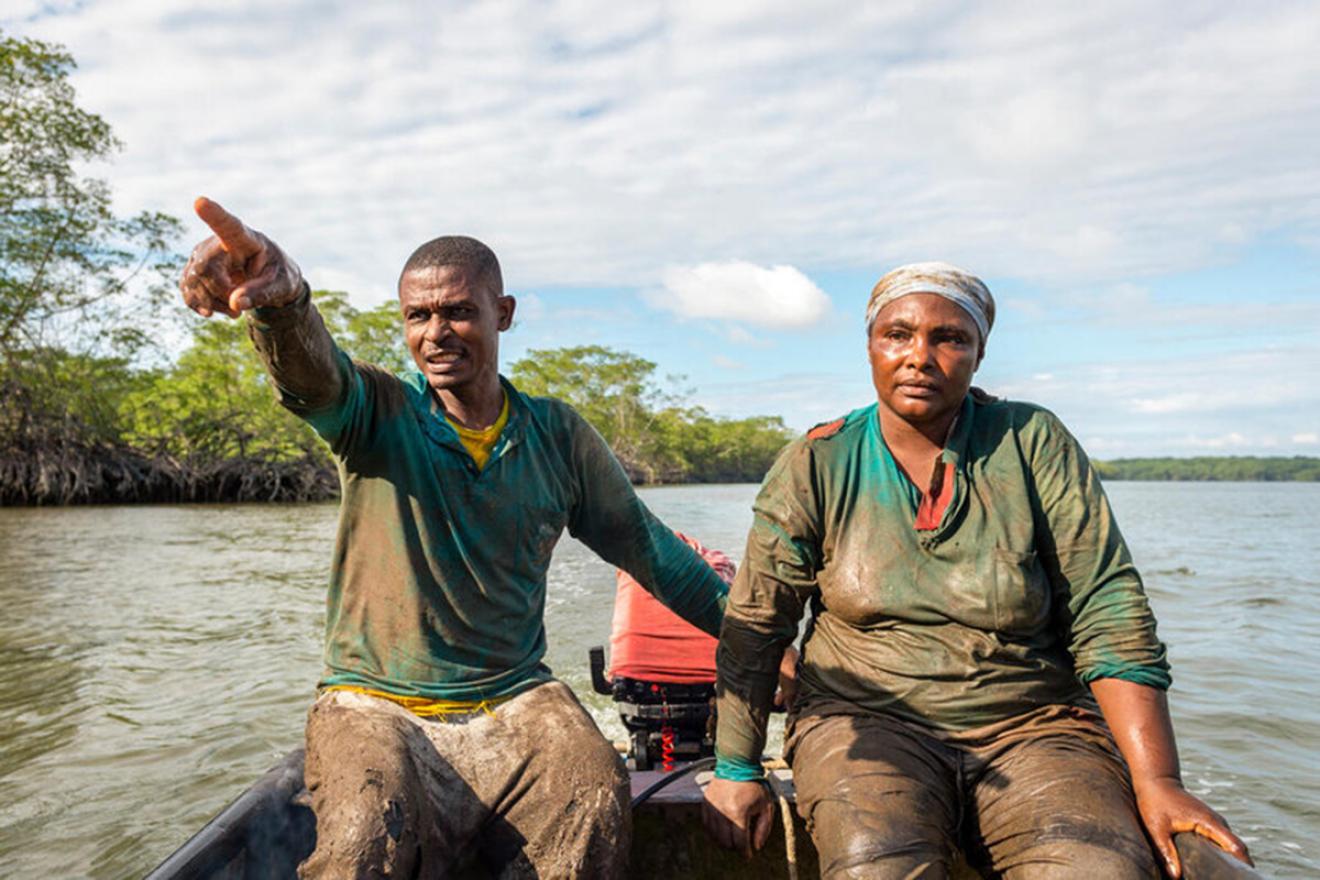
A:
(802, 398)
(1119, 299)
(1308, 438)
(1240, 401)
(779, 297)
(1108, 447)
(1077, 151)
(742, 336)
(531, 307)
(1230, 441)
(595, 144)
(1175, 403)
(365, 292)
(1136, 309)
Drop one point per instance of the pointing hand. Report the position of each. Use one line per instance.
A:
(237, 268)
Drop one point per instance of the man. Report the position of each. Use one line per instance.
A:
(438, 736)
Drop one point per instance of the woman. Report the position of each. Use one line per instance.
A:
(981, 660)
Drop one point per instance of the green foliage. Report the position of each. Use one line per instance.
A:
(79, 286)
(374, 336)
(66, 259)
(733, 450)
(654, 436)
(613, 390)
(80, 395)
(1213, 468)
(216, 402)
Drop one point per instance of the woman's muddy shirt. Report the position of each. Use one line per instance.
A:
(1023, 592)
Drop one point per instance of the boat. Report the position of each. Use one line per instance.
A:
(269, 829)
(665, 695)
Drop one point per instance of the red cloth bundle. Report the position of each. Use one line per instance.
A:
(651, 643)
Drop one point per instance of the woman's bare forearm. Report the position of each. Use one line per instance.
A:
(1138, 717)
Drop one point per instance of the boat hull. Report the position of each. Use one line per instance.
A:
(269, 829)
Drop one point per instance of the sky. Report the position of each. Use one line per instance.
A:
(716, 186)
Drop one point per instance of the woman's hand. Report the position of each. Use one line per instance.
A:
(739, 815)
(1167, 808)
(1138, 716)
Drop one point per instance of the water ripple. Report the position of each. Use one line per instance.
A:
(155, 660)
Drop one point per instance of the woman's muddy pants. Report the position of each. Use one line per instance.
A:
(1046, 796)
(530, 790)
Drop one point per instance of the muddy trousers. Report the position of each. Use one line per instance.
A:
(531, 789)
(1044, 797)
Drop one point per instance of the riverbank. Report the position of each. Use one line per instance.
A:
(76, 473)
(71, 472)
(1214, 469)
(84, 430)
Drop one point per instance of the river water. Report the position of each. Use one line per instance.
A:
(155, 660)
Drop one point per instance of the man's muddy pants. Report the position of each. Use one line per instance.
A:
(531, 789)
(1042, 796)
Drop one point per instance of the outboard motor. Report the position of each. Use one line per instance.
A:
(661, 674)
(666, 721)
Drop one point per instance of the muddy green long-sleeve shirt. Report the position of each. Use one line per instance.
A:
(1023, 593)
(438, 581)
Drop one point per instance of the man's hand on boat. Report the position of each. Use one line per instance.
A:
(237, 268)
(739, 815)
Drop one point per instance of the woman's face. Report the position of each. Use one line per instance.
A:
(923, 351)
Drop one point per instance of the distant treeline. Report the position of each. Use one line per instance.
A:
(1214, 468)
(79, 428)
(654, 432)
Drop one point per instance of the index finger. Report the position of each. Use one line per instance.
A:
(234, 236)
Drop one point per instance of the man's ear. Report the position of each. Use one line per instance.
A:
(506, 306)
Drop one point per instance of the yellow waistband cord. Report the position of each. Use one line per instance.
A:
(424, 707)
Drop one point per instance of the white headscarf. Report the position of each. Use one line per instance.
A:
(941, 279)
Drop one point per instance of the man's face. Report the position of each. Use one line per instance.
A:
(923, 351)
(452, 327)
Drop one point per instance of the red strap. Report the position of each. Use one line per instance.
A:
(936, 500)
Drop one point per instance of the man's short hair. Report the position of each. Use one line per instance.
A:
(476, 261)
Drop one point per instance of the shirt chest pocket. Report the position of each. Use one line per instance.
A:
(1019, 591)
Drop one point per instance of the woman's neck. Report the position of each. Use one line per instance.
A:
(916, 448)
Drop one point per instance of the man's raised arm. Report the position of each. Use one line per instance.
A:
(240, 270)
